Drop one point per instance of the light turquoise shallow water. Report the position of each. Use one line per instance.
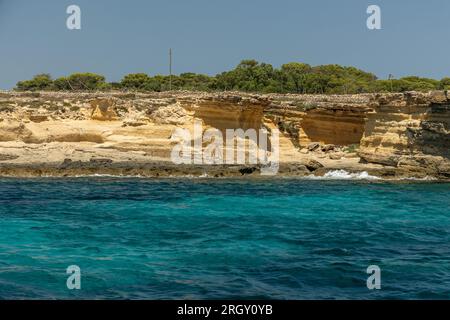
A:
(206, 239)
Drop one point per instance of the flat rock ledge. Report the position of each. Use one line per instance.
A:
(165, 169)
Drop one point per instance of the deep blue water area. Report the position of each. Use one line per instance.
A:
(223, 239)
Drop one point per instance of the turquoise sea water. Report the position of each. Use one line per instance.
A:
(208, 239)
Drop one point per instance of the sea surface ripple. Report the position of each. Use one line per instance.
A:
(223, 239)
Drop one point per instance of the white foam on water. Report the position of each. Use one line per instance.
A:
(101, 175)
(345, 175)
(427, 178)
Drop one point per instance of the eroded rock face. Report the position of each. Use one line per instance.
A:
(229, 112)
(327, 119)
(12, 130)
(408, 130)
(103, 110)
(171, 114)
(334, 126)
(408, 133)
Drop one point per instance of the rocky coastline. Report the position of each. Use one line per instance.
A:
(64, 134)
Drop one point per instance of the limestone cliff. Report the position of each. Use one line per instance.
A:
(390, 135)
(409, 131)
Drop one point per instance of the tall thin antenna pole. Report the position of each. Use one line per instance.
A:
(391, 76)
(170, 69)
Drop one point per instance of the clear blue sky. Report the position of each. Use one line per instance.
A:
(210, 36)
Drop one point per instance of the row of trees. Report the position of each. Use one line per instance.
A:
(249, 76)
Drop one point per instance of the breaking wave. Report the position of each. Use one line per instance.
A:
(345, 175)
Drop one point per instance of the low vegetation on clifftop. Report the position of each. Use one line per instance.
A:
(248, 76)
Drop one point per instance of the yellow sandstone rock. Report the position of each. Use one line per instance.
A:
(402, 134)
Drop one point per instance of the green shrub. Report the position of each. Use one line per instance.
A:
(248, 75)
(39, 82)
(135, 81)
(86, 81)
